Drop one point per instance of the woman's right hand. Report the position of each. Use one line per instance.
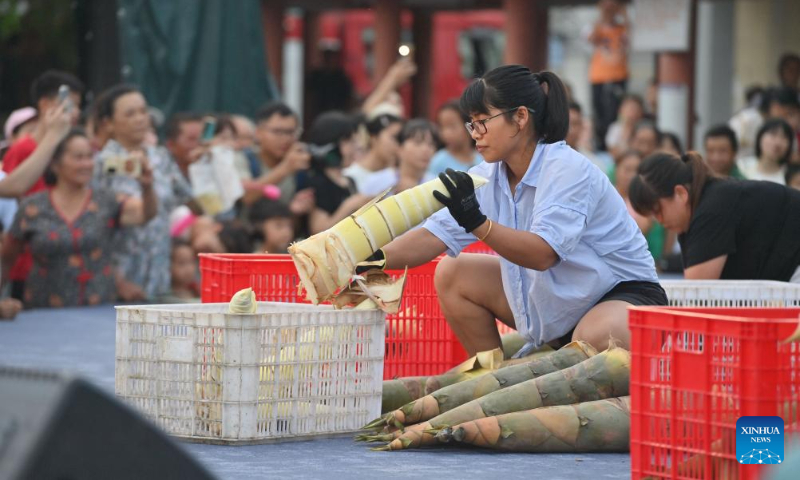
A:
(402, 70)
(297, 158)
(57, 123)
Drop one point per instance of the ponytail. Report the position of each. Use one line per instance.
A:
(660, 173)
(512, 86)
(553, 123)
(700, 174)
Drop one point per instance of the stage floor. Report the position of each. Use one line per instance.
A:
(81, 341)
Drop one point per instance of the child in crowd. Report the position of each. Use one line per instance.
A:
(20, 122)
(459, 149)
(374, 172)
(418, 143)
(620, 133)
(183, 270)
(721, 147)
(646, 138)
(773, 150)
(670, 143)
(210, 236)
(273, 226)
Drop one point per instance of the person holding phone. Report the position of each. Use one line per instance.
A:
(143, 256)
(282, 157)
(49, 91)
(40, 145)
(69, 229)
(571, 260)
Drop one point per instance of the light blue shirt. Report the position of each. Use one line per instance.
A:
(442, 160)
(568, 202)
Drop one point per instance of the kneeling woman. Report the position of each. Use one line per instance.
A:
(728, 229)
(69, 227)
(571, 258)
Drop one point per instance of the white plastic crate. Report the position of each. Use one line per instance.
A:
(731, 293)
(289, 371)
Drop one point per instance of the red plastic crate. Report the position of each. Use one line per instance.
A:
(694, 372)
(272, 276)
(418, 339)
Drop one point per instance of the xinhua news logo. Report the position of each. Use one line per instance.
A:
(759, 440)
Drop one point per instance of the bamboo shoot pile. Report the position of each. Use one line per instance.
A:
(571, 400)
(598, 426)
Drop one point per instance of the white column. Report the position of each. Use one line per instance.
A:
(714, 66)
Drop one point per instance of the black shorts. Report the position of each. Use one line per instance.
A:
(636, 293)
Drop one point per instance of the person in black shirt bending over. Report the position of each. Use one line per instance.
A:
(728, 229)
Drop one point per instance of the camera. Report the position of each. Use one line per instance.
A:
(129, 166)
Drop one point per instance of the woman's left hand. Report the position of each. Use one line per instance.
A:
(462, 204)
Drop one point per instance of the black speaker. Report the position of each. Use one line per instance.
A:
(58, 427)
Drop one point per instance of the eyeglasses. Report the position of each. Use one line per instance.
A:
(480, 125)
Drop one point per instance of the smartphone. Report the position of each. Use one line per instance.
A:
(63, 98)
(209, 126)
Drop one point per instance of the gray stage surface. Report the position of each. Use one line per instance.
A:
(81, 340)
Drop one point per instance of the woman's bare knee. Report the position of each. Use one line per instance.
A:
(603, 322)
(445, 275)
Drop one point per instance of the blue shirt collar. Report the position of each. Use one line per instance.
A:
(531, 177)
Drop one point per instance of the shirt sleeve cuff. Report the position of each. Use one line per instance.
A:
(548, 235)
(453, 247)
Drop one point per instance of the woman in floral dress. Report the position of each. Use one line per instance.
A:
(69, 229)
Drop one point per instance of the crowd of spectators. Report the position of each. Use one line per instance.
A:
(97, 207)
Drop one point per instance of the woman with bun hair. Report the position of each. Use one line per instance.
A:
(332, 146)
(727, 229)
(570, 261)
(375, 171)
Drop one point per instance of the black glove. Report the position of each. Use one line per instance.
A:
(462, 203)
(376, 260)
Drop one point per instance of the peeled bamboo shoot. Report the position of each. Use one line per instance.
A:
(326, 261)
(243, 302)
